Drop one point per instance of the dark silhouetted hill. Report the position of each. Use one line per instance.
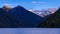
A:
(19, 17)
(7, 20)
(52, 21)
(29, 19)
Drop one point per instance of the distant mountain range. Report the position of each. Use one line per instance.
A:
(43, 13)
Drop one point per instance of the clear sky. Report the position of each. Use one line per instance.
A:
(32, 4)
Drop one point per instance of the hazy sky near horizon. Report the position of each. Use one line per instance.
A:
(32, 4)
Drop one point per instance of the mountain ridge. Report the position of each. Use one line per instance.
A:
(24, 17)
(53, 21)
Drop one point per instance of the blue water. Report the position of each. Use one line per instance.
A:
(29, 30)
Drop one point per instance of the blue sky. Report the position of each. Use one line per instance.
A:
(32, 4)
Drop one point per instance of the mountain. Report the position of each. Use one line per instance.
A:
(52, 10)
(52, 21)
(6, 8)
(27, 18)
(19, 17)
(7, 20)
(44, 13)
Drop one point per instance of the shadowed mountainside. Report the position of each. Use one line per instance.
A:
(52, 21)
(7, 20)
(29, 19)
(19, 17)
